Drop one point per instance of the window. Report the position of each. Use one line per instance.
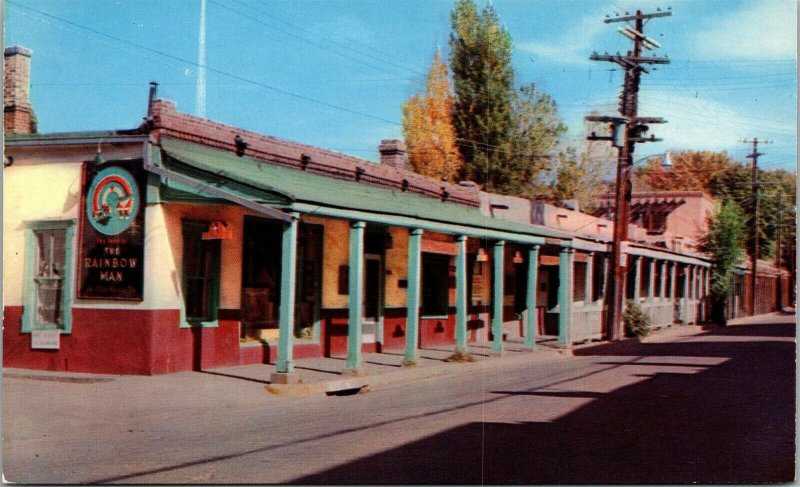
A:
(435, 284)
(48, 278)
(201, 271)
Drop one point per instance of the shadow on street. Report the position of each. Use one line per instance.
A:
(730, 423)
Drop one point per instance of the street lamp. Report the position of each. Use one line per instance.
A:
(666, 162)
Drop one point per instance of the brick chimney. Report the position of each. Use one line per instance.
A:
(393, 153)
(18, 116)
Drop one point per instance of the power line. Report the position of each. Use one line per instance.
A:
(193, 63)
(335, 42)
(335, 52)
(459, 141)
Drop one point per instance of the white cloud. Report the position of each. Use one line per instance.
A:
(702, 124)
(572, 46)
(763, 30)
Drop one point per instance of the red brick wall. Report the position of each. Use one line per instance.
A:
(136, 342)
(17, 112)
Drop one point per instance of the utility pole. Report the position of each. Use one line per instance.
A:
(627, 130)
(751, 303)
(779, 286)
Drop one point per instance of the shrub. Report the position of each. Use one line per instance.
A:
(637, 323)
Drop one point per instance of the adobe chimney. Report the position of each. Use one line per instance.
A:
(18, 116)
(393, 153)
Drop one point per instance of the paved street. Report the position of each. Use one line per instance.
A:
(687, 405)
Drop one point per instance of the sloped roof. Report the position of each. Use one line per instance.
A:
(271, 182)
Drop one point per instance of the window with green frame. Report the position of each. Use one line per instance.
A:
(201, 270)
(48, 267)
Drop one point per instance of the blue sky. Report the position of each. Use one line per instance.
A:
(304, 67)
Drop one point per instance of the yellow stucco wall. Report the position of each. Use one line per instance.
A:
(396, 268)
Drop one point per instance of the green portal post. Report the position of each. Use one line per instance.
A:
(284, 367)
(461, 295)
(497, 298)
(637, 279)
(662, 289)
(412, 296)
(565, 297)
(354, 364)
(533, 270)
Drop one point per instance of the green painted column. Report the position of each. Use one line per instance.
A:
(637, 279)
(565, 296)
(284, 364)
(497, 297)
(589, 281)
(533, 272)
(663, 287)
(461, 294)
(651, 284)
(413, 296)
(354, 363)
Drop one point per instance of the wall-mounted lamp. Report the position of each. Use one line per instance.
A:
(217, 231)
(482, 256)
(518, 257)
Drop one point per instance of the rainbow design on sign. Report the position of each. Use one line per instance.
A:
(112, 201)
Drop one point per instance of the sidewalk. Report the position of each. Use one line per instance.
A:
(325, 375)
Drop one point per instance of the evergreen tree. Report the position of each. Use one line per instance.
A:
(723, 243)
(428, 129)
(480, 60)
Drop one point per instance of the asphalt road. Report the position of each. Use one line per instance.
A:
(717, 407)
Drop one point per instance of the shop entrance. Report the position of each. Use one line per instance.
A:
(261, 278)
(373, 263)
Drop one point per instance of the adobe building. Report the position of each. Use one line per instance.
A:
(187, 244)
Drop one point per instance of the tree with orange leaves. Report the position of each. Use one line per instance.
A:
(428, 128)
(690, 171)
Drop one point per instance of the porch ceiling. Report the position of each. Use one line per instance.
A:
(297, 190)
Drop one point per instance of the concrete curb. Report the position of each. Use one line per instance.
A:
(412, 373)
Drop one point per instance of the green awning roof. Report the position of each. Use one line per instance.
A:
(293, 189)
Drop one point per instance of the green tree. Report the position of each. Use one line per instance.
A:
(428, 129)
(724, 245)
(582, 170)
(538, 129)
(483, 81)
(736, 183)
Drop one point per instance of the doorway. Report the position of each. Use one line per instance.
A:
(373, 297)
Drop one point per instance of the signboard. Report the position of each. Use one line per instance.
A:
(111, 264)
(548, 259)
(437, 247)
(45, 339)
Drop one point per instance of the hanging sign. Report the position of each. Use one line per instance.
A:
(111, 264)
